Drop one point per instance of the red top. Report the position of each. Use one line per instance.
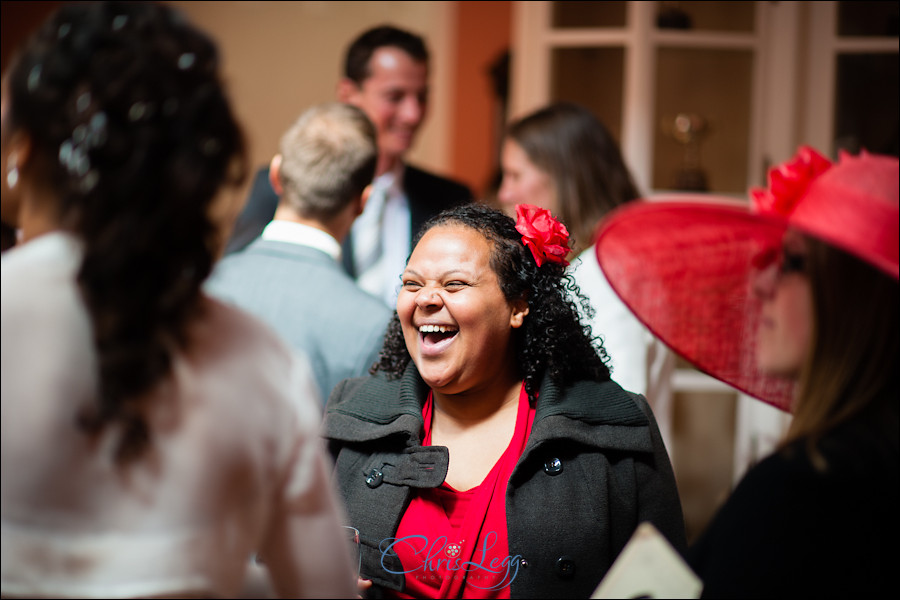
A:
(454, 544)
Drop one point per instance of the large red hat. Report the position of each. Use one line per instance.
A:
(682, 263)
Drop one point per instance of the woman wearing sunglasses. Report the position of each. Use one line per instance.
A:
(792, 300)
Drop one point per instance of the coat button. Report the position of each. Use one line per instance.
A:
(553, 466)
(565, 567)
(374, 478)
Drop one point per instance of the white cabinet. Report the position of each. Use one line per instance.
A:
(766, 77)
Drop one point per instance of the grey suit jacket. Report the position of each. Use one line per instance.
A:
(308, 299)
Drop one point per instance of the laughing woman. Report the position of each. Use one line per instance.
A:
(489, 455)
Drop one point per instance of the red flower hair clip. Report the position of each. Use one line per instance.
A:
(788, 182)
(547, 238)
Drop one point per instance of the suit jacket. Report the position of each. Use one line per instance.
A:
(306, 297)
(428, 195)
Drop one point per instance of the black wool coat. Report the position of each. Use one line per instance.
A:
(594, 467)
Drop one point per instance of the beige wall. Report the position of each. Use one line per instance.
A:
(282, 57)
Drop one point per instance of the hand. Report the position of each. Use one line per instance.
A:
(362, 585)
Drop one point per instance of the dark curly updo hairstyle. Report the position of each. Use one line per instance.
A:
(133, 134)
(552, 339)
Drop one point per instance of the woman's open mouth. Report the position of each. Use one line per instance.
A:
(433, 339)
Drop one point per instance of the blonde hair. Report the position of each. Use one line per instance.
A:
(327, 158)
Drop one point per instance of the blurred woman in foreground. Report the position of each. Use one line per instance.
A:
(793, 301)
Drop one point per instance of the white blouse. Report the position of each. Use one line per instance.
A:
(640, 362)
(235, 465)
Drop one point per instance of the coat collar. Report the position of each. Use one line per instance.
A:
(377, 407)
(291, 251)
(371, 408)
(590, 401)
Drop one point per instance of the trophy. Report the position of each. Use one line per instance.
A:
(689, 129)
(671, 16)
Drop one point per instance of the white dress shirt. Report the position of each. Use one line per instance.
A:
(639, 361)
(303, 235)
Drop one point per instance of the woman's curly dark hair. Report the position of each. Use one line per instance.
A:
(132, 132)
(552, 340)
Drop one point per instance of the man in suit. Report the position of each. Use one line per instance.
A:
(386, 75)
(290, 276)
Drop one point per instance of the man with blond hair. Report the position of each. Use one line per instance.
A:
(386, 73)
(291, 275)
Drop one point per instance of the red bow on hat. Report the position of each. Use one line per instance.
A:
(788, 182)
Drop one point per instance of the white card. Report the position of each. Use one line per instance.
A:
(649, 567)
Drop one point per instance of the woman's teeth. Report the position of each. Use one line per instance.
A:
(434, 329)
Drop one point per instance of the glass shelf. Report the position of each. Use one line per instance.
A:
(576, 15)
(707, 16)
(716, 86)
(865, 109)
(593, 78)
(867, 19)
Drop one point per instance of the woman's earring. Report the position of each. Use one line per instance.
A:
(12, 171)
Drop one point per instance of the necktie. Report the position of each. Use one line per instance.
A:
(368, 243)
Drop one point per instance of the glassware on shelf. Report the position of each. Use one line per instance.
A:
(689, 130)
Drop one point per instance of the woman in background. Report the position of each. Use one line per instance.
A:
(153, 439)
(794, 301)
(563, 159)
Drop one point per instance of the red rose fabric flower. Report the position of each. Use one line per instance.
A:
(788, 182)
(547, 238)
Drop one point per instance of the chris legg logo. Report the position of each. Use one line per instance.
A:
(438, 554)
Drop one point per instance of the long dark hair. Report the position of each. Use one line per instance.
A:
(133, 134)
(570, 144)
(851, 370)
(552, 340)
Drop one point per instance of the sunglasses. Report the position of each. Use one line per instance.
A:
(791, 262)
